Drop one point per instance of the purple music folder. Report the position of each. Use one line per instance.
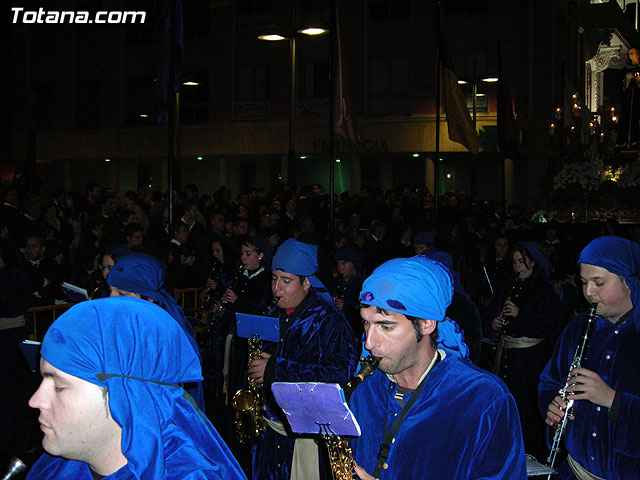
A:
(267, 328)
(310, 405)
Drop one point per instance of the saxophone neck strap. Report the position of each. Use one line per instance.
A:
(389, 437)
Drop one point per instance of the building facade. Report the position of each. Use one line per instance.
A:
(84, 96)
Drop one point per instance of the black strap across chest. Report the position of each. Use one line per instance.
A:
(389, 436)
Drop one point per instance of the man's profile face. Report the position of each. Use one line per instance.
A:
(391, 337)
(607, 290)
(74, 416)
(287, 287)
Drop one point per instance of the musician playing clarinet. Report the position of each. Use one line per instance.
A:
(428, 412)
(603, 432)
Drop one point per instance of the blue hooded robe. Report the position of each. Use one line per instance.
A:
(606, 442)
(316, 345)
(137, 351)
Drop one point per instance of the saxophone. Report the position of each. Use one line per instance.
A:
(578, 356)
(248, 402)
(340, 454)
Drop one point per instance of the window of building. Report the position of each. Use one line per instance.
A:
(253, 83)
(139, 94)
(194, 99)
(87, 103)
(465, 7)
(44, 104)
(388, 46)
(250, 6)
(315, 79)
(196, 20)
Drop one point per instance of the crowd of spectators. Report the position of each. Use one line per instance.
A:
(77, 237)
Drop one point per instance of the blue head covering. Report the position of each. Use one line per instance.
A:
(446, 259)
(350, 253)
(136, 350)
(419, 287)
(619, 256)
(143, 274)
(538, 256)
(423, 238)
(300, 259)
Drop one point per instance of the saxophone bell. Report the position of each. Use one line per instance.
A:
(248, 402)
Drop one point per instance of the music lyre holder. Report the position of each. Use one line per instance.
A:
(312, 408)
(266, 328)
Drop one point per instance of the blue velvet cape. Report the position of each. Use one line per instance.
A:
(145, 356)
(464, 426)
(317, 346)
(607, 449)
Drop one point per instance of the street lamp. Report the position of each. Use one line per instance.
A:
(273, 34)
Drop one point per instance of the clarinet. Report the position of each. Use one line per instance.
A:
(218, 313)
(578, 357)
(513, 294)
(16, 467)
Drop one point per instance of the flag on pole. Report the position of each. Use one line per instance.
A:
(163, 23)
(461, 128)
(507, 127)
(343, 123)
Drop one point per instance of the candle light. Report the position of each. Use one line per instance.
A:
(558, 114)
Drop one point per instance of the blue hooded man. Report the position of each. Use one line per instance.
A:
(602, 435)
(111, 400)
(316, 345)
(426, 389)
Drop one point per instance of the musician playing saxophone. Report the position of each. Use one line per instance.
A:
(428, 413)
(603, 433)
(316, 345)
(249, 292)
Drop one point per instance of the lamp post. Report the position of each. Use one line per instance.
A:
(475, 94)
(275, 36)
